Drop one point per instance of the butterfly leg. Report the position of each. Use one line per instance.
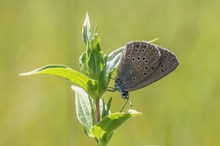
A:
(126, 104)
(111, 89)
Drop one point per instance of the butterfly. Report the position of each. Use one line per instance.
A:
(141, 64)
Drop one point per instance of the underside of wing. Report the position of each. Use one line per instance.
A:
(166, 64)
(139, 61)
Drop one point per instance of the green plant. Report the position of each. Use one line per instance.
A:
(97, 69)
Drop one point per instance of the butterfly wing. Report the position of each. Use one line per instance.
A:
(125, 63)
(139, 60)
(167, 63)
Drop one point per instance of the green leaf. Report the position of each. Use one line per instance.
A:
(83, 109)
(105, 128)
(95, 57)
(113, 60)
(82, 58)
(83, 63)
(64, 72)
(106, 108)
(86, 29)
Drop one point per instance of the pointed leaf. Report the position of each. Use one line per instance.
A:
(63, 72)
(113, 60)
(105, 128)
(86, 29)
(106, 108)
(83, 108)
(95, 60)
(83, 63)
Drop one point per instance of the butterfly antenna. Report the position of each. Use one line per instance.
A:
(111, 89)
(154, 40)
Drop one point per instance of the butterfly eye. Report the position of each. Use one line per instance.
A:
(145, 73)
(146, 67)
(143, 58)
(146, 61)
(138, 58)
(142, 50)
(136, 50)
(129, 56)
(125, 95)
(162, 70)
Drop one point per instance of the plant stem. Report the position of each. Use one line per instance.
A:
(97, 107)
(102, 144)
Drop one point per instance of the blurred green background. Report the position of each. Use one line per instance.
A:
(182, 109)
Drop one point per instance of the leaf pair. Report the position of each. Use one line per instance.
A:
(104, 129)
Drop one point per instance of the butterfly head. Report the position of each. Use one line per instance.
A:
(119, 86)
